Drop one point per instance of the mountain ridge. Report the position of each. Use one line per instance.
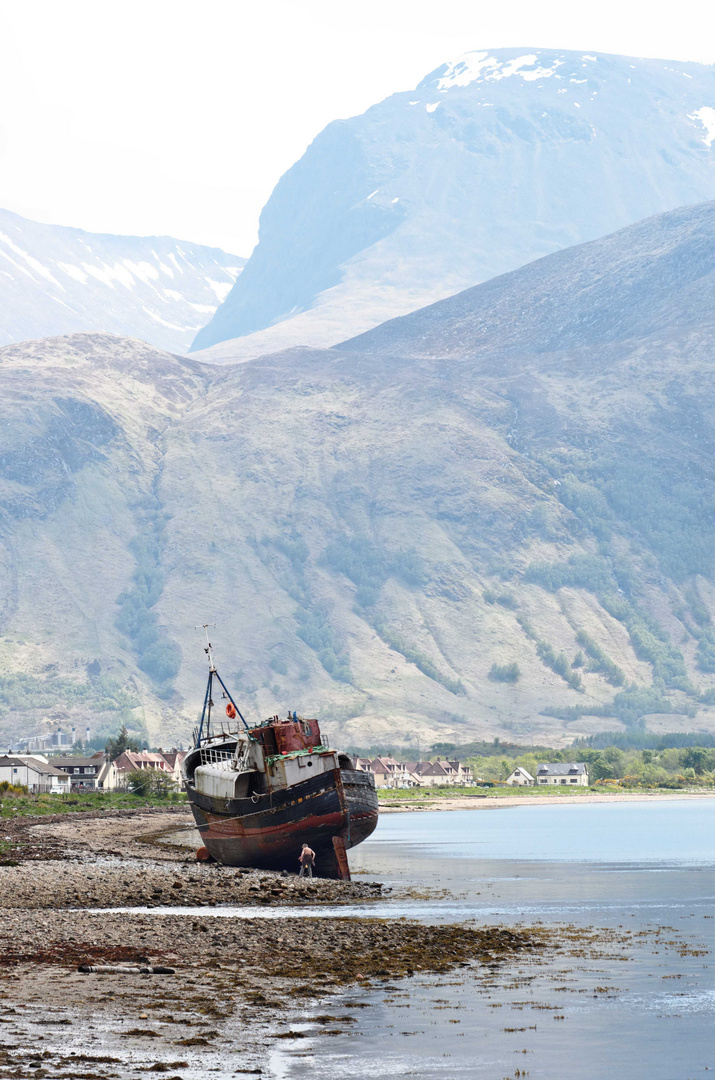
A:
(490, 163)
(56, 279)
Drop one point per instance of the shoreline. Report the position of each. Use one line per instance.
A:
(489, 802)
(237, 985)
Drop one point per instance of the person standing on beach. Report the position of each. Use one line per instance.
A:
(307, 858)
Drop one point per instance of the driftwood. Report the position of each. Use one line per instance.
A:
(124, 969)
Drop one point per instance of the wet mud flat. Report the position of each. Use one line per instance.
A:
(239, 986)
(314, 993)
(527, 1015)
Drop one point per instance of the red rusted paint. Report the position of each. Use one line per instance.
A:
(341, 858)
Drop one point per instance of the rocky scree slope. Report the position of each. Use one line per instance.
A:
(493, 161)
(58, 280)
(492, 519)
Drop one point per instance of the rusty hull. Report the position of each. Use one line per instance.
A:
(268, 830)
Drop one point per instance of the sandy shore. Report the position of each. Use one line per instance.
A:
(489, 802)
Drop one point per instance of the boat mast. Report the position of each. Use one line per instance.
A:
(208, 701)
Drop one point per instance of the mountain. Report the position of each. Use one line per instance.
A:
(493, 161)
(650, 280)
(491, 518)
(57, 280)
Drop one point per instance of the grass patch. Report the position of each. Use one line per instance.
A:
(79, 802)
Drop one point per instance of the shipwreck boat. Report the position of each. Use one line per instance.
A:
(258, 793)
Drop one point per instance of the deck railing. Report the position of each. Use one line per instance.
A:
(209, 756)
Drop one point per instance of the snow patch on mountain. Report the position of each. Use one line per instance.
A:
(480, 66)
(58, 280)
(706, 116)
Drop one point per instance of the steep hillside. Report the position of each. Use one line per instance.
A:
(493, 518)
(56, 280)
(493, 161)
(652, 279)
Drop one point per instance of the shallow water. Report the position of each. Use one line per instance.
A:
(644, 1009)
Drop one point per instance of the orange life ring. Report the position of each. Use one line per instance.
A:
(231, 711)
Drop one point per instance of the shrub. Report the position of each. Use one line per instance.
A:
(369, 565)
(559, 664)
(161, 661)
(507, 600)
(508, 673)
(6, 788)
(600, 661)
(315, 630)
(151, 782)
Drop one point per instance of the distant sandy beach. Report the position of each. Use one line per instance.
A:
(489, 802)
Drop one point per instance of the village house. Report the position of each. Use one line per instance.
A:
(441, 773)
(174, 759)
(94, 772)
(132, 761)
(520, 778)
(34, 773)
(391, 774)
(563, 773)
(464, 772)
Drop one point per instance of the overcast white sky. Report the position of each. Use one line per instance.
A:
(179, 116)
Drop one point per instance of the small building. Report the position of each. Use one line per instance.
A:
(563, 773)
(438, 773)
(174, 759)
(392, 774)
(464, 772)
(520, 778)
(132, 761)
(93, 773)
(36, 774)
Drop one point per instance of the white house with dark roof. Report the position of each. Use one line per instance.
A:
(93, 771)
(36, 774)
(563, 773)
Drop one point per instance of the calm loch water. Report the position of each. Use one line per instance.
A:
(637, 1000)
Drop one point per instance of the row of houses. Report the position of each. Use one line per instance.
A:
(390, 773)
(63, 773)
